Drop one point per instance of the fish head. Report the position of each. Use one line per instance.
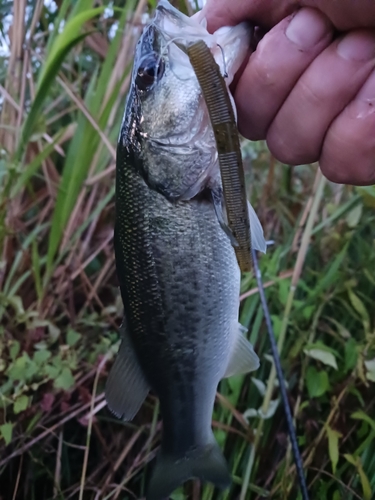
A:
(166, 120)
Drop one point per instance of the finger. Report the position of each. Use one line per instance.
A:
(348, 155)
(274, 68)
(327, 86)
(346, 14)
(343, 14)
(229, 13)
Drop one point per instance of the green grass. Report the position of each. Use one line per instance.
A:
(60, 306)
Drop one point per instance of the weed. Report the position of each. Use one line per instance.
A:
(63, 84)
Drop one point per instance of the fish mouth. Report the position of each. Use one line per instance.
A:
(229, 45)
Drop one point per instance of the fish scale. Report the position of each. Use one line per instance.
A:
(173, 317)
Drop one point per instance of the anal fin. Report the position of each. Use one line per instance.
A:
(243, 358)
(126, 387)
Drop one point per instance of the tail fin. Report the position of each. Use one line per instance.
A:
(207, 464)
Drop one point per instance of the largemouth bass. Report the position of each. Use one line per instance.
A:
(176, 265)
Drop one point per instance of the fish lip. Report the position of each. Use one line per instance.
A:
(165, 145)
(190, 27)
(165, 7)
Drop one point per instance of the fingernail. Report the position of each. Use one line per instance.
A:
(357, 46)
(307, 28)
(364, 102)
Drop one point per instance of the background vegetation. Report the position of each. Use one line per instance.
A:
(64, 74)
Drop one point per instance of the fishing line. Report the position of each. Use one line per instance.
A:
(225, 72)
(280, 376)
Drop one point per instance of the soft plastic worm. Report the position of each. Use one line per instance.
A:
(223, 121)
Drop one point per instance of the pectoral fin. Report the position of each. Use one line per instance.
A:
(126, 387)
(258, 241)
(243, 357)
(217, 199)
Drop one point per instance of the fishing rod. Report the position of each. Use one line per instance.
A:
(280, 376)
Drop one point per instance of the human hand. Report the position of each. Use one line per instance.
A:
(309, 88)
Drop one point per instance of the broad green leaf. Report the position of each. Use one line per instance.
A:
(72, 337)
(40, 357)
(31, 370)
(325, 357)
(317, 382)
(51, 371)
(308, 311)
(370, 367)
(351, 354)
(65, 380)
(14, 350)
(17, 370)
(54, 331)
(333, 446)
(20, 404)
(6, 431)
(354, 216)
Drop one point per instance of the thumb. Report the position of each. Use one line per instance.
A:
(265, 13)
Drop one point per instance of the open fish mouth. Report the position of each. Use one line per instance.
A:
(229, 45)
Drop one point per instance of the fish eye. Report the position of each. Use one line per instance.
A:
(150, 70)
